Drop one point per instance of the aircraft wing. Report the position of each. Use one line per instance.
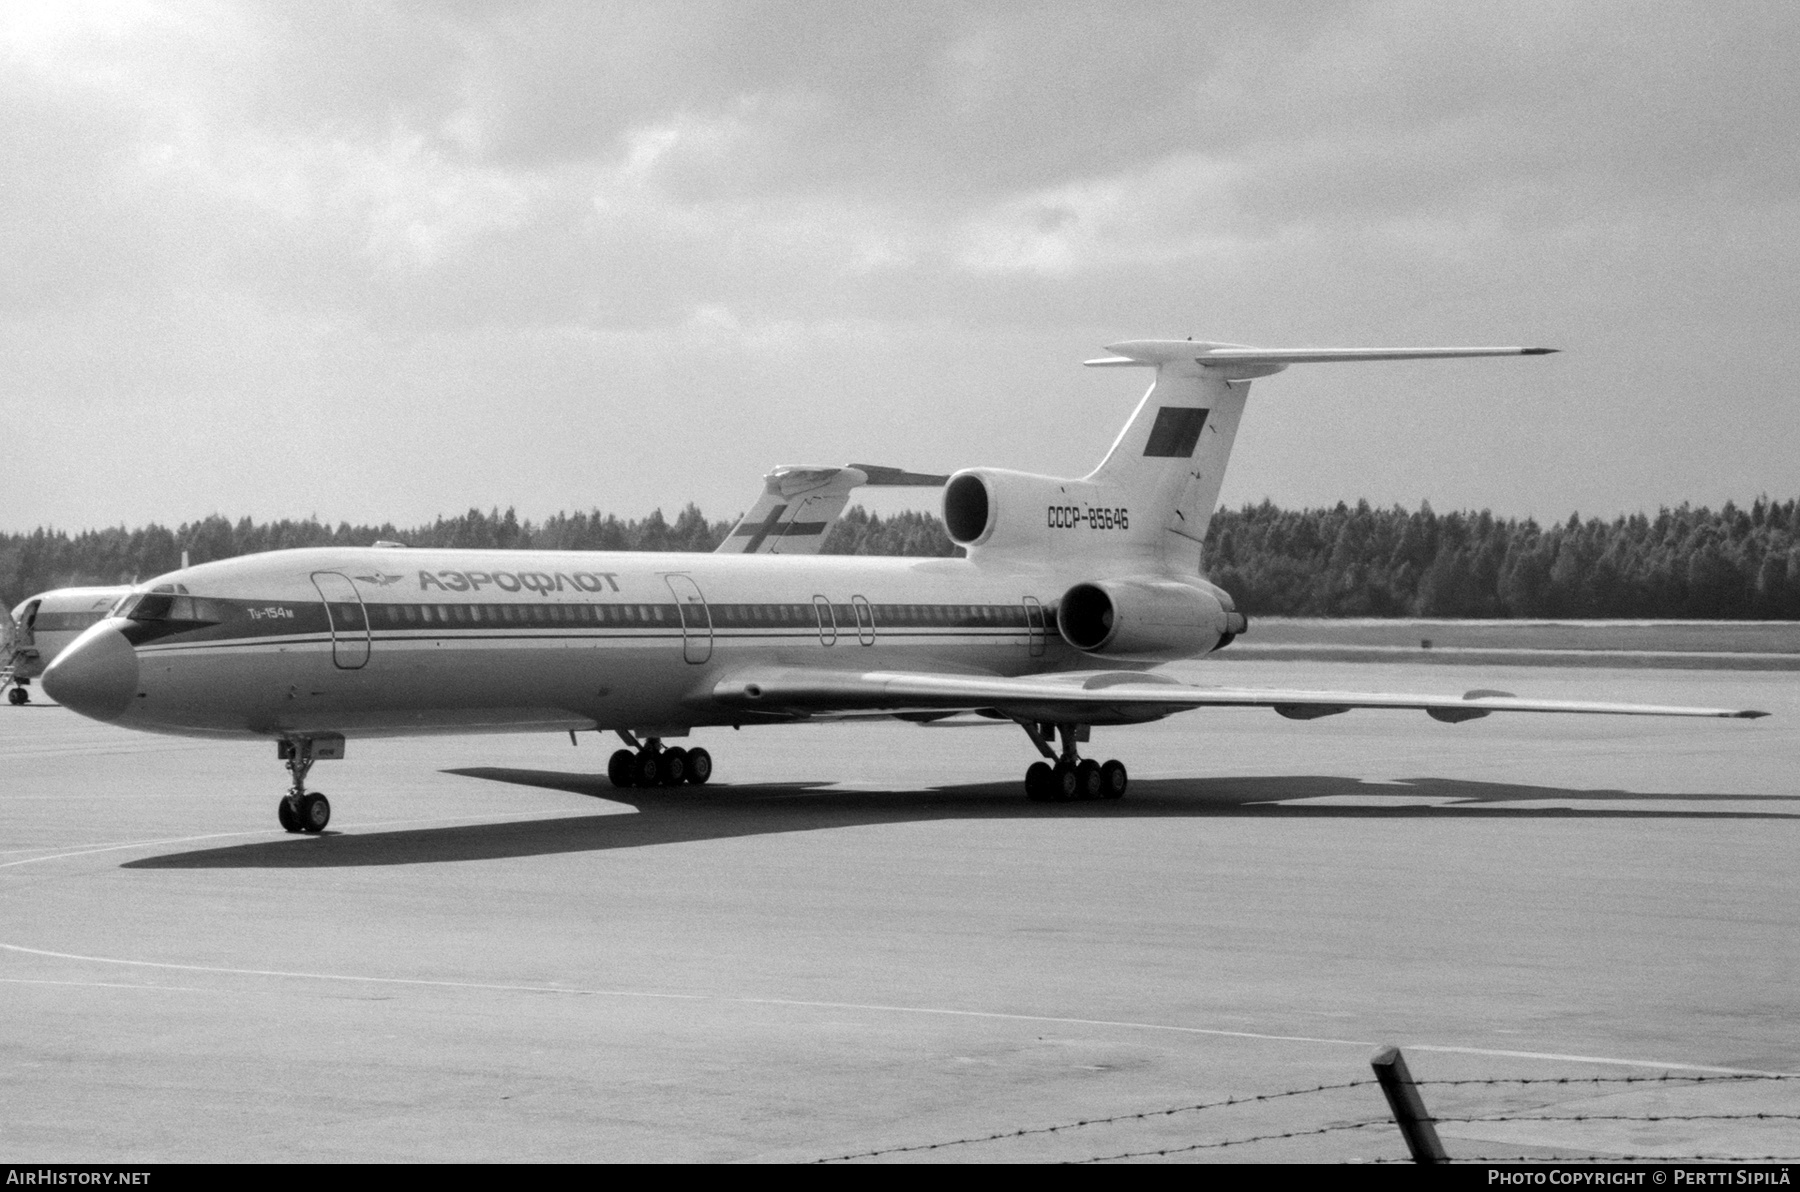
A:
(1114, 697)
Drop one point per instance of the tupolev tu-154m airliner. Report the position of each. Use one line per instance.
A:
(1071, 592)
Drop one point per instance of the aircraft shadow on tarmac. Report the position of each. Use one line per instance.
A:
(722, 812)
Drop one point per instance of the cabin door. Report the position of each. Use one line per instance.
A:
(696, 618)
(865, 620)
(349, 619)
(1035, 634)
(23, 639)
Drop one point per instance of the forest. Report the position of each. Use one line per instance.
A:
(1345, 561)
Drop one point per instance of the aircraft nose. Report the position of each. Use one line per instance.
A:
(96, 675)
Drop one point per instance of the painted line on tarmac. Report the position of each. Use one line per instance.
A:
(111, 848)
(1586, 1059)
(941, 1012)
(88, 851)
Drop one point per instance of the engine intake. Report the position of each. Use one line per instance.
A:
(967, 509)
(1000, 510)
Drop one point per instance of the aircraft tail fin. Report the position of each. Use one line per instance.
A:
(800, 504)
(1170, 458)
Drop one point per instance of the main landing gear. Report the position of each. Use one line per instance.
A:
(649, 764)
(301, 810)
(1062, 778)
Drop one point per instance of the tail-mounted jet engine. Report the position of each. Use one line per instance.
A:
(1148, 619)
(996, 509)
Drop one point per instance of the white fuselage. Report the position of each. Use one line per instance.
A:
(1062, 574)
(373, 642)
(42, 626)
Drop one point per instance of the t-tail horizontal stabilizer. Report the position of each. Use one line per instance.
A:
(1239, 361)
(1166, 466)
(799, 505)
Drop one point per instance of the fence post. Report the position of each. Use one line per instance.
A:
(1407, 1106)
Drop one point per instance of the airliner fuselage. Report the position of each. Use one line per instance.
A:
(372, 642)
(1071, 590)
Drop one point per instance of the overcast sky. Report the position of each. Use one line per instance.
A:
(381, 262)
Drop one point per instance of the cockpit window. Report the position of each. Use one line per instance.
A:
(161, 606)
(152, 606)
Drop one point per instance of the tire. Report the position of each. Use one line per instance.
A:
(315, 812)
(1064, 783)
(620, 770)
(647, 769)
(1113, 780)
(284, 811)
(1040, 782)
(699, 767)
(1087, 780)
(674, 766)
(17, 696)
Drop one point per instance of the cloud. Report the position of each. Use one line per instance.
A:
(207, 200)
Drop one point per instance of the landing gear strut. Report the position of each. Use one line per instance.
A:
(649, 764)
(1066, 776)
(301, 810)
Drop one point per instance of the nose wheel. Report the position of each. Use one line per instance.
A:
(651, 765)
(301, 810)
(309, 813)
(1066, 777)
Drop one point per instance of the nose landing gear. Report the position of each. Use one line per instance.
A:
(652, 765)
(1060, 779)
(301, 810)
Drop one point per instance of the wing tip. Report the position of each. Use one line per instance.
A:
(1539, 351)
(1748, 714)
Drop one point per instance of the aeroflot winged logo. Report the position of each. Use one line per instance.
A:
(381, 580)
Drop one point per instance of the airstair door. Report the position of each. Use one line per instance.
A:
(21, 636)
(349, 619)
(696, 618)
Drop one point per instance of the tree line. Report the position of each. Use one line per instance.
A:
(1358, 561)
(1343, 561)
(45, 559)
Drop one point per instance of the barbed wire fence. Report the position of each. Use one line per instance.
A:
(1409, 1119)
